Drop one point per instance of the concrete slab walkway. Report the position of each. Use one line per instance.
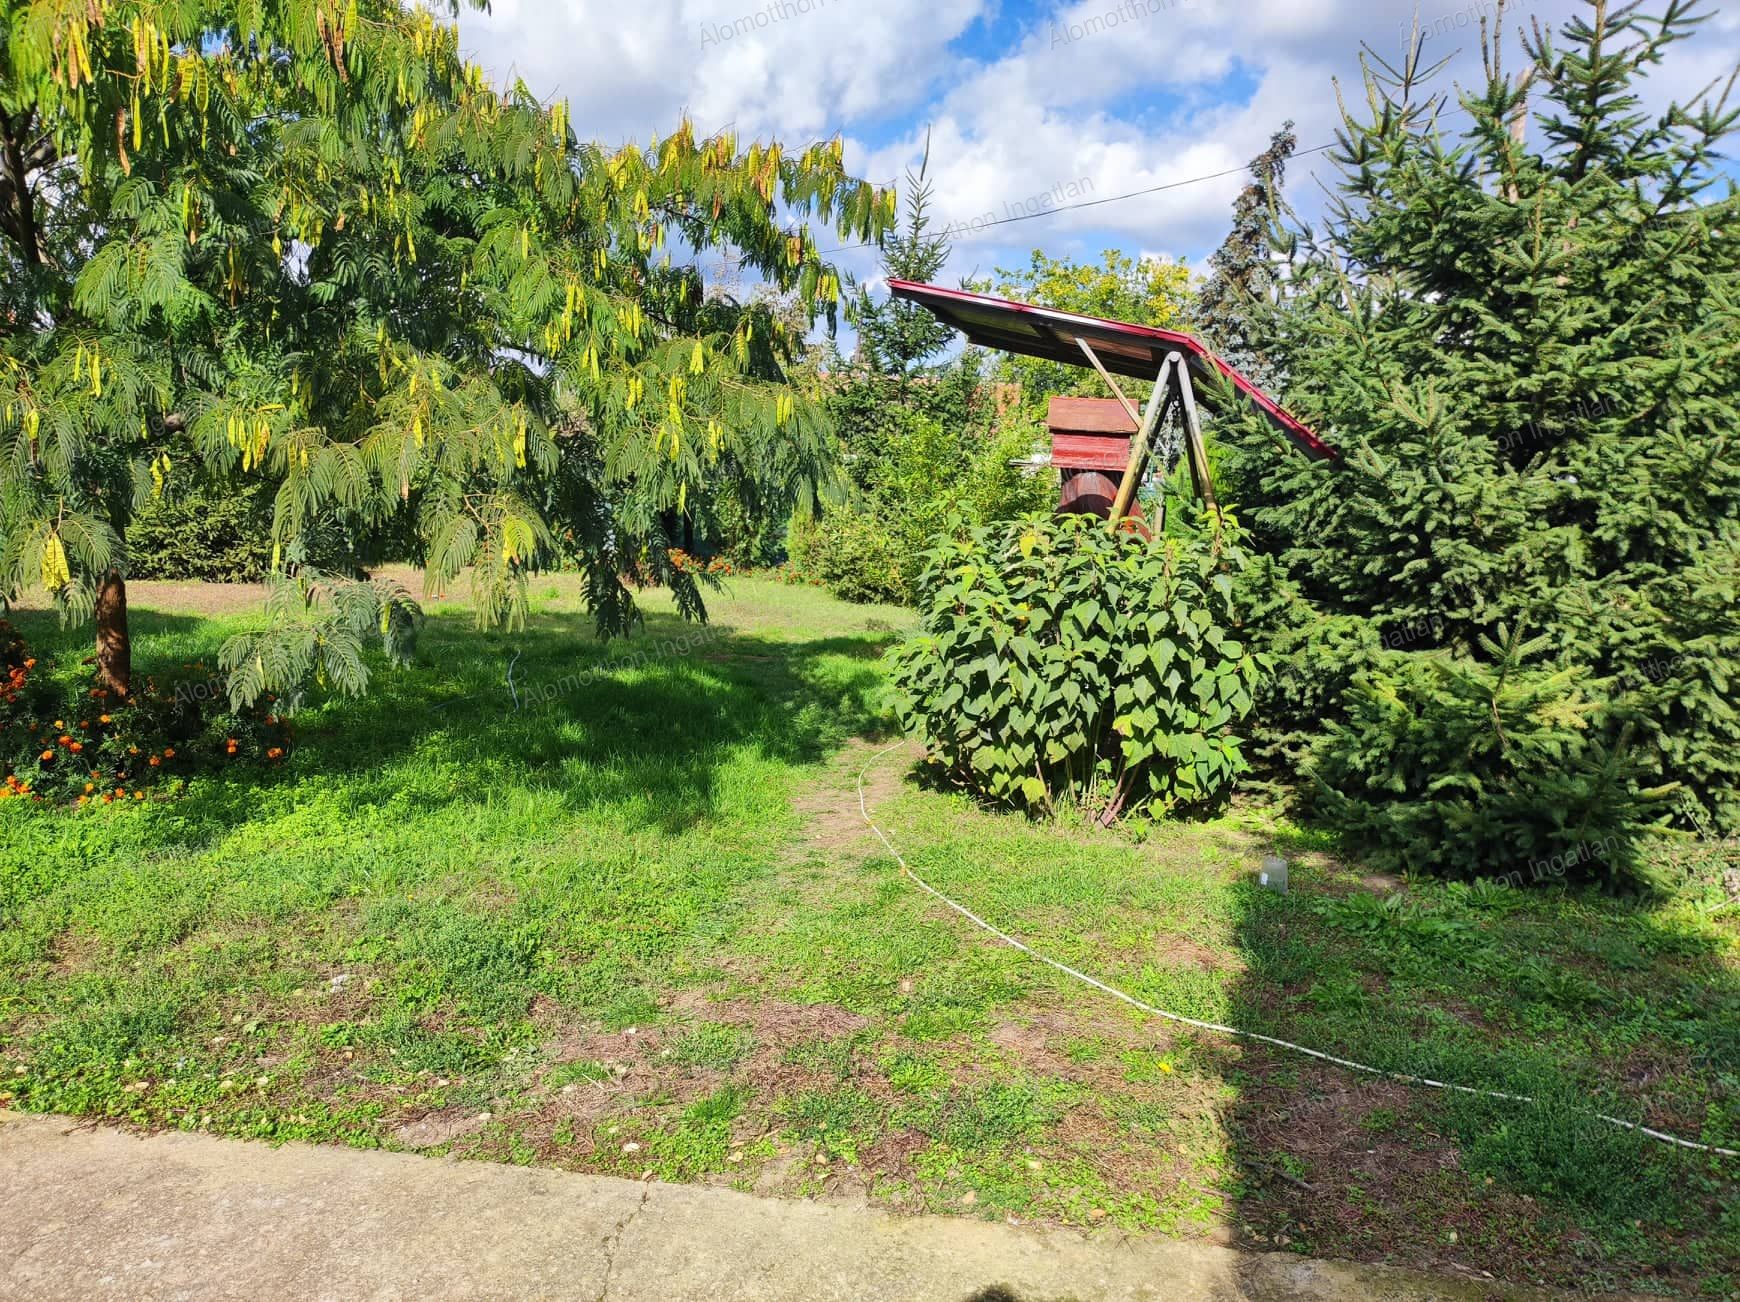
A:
(94, 1212)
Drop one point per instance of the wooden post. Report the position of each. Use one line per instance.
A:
(1193, 441)
(1159, 402)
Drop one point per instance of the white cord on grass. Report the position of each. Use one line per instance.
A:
(1114, 992)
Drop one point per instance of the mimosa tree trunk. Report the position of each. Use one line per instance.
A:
(114, 645)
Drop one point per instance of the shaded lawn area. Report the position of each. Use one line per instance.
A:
(637, 926)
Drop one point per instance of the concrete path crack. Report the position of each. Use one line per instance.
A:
(615, 1238)
(106, 1214)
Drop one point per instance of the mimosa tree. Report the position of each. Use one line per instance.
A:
(303, 239)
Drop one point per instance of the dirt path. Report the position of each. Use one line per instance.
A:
(833, 823)
(93, 1212)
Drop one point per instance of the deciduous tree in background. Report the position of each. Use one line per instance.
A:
(924, 446)
(1145, 289)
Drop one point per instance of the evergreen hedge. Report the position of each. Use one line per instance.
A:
(1527, 345)
(218, 535)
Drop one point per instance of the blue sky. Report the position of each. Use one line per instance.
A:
(1020, 97)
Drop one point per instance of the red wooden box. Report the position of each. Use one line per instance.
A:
(1089, 434)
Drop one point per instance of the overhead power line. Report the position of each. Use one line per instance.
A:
(1118, 198)
(1092, 203)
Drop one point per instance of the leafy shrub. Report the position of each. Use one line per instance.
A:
(751, 539)
(1059, 664)
(914, 477)
(212, 532)
(993, 489)
(1467, 769)
(854, 556)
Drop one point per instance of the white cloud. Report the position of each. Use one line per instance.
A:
(1098, 97)
(793, 68)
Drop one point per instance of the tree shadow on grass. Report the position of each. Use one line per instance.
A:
(591, 726)
(1582, 1002)
(643, 721)
(473, 844)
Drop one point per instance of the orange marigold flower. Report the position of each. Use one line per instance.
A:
(76, 747)
(132, 750)
(64, 740)
(155, 761)
(30, 664)
(138, 795)
(90, 787)
(104, 718)
(230, 745)
(48, 757)
(168, 752)
(277, 752)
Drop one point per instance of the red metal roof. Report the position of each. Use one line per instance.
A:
(1123, 348)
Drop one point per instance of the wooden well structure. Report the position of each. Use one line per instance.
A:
(1101, 446)
(1090, 447)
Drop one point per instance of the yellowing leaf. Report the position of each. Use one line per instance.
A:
(55, 573)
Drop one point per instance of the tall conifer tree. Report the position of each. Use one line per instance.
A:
(1234, 306)
(1522, 327)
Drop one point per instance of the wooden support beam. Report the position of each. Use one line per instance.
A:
(1193, 443)
(1092, 356)
(1174, 371)
(1159, 402)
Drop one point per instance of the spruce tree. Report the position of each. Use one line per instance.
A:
(1234, 308)
(896, 338)
(1527, 345)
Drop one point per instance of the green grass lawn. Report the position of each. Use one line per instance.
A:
(635, 925)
